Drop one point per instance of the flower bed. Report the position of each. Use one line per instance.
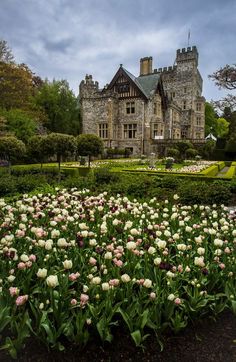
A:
(75, 265)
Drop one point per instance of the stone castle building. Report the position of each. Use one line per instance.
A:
(150, 112)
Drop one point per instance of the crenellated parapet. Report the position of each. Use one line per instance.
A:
(167, 69)
(187, 54)
(88, 86)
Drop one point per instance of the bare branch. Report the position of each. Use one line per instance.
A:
(228, 101)
(225, 77)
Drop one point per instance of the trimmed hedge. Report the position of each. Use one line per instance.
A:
(221, 165)
(231, 172)
(211, 171)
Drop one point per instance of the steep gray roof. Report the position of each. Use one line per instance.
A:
(149, 83)
(146, 83)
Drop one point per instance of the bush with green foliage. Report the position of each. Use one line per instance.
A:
(191, 153)
(11, 148)
(172, 152)
(105, 176)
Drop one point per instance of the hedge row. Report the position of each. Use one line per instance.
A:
(231, 172)
(211, 171)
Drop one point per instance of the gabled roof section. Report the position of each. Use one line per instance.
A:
(149, 83)
(130, 78)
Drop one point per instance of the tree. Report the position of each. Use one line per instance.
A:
(35, 149)
(58, 144)
(17, 86)
(60, 105)
(89, 145)
(210, 119)
(225, 78)
(222, 127)
(19, 123)
(231, 145)
(207, 149)
(11, 148)
(6, 55)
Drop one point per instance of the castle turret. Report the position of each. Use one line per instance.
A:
(88, 86)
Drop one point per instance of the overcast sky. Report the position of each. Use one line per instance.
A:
(65, 39)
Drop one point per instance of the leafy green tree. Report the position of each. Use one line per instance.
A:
(60, 105)
(58, 144)
(210, 119)
(20, 123)
(11, 149)
(89, 145)
(207, 149)
(35, 149)
(230, 117)
(4, 131)
(17, 85)
(222, 127)
(231, 145)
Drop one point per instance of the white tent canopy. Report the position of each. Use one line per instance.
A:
(211, 137)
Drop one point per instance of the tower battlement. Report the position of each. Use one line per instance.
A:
(88, 85)
(187, 54)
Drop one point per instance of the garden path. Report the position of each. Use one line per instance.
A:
(223, 171)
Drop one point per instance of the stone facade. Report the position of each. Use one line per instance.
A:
(147, 113)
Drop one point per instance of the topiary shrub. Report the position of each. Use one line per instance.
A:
(173, 152)
(191, 153)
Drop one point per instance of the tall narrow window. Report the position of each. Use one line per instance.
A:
(103, 130)
(185, 90)
(130, 107)
(184, 104)
(130, 130)
(155, 130)
(198, 121)
(199, 107)
(184, 133)
(155, 108)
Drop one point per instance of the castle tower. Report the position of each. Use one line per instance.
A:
(187, 59)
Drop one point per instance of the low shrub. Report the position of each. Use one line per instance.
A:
(170, 182)
(10, 185)
(105, 176)
(219, 193)
(7, 186)
(193, 192)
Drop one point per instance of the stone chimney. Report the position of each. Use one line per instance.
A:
(146, 66)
